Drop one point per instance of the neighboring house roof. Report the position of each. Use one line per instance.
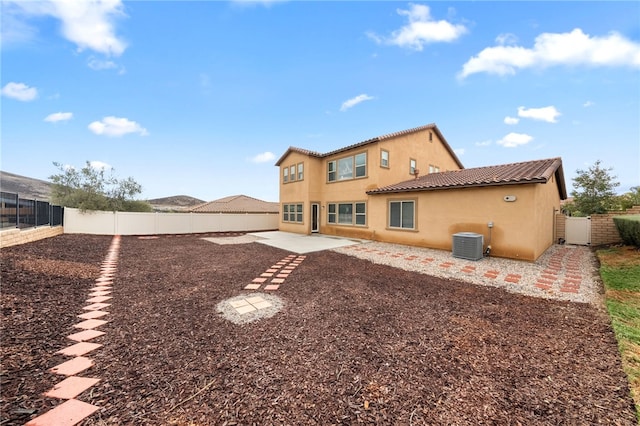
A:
(236, 204)
(539, 171)
(374, 140)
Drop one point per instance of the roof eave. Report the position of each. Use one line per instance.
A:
(468, 185)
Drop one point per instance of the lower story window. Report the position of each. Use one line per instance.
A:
(402, 214)
(292, 213)
(347, 213)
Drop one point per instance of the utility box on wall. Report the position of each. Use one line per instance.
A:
(468, 245)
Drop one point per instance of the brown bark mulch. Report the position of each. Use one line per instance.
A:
(356, 343)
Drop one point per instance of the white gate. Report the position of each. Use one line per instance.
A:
(577, 230)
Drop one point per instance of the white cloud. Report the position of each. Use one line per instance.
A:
(355, 101)
(99, 165)
(116, 126)
(99, 64)
(511, 120)
(58, 116)
(87, 24)
(506, 39)
(420, 30)
(264, 157)
(513, 140)
(483, 143)
(549, 49)
(20, 91)
(588, 104)
(548, 114)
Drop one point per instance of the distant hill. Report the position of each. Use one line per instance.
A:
(177, 202)
(31, 188)
(25, 187)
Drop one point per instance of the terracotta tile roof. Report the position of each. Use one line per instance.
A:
(236, 204)
(506, 174)
(431, 126)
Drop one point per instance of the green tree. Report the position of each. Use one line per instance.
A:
(630, 199)
(593, 191)
(91, 188)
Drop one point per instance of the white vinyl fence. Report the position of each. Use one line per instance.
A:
(127, 223)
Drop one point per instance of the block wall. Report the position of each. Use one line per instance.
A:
(14, 237)
(604, 231)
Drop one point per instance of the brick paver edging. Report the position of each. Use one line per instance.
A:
(73, 411)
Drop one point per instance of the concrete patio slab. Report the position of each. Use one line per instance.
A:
(299, 243)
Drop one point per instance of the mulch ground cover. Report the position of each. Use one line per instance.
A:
(355, 343)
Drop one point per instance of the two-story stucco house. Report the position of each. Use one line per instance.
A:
(409, 187)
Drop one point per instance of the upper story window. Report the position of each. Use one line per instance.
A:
(384, 158)
(293, 173)
(354, 166)
(433, 169)
(412, 166)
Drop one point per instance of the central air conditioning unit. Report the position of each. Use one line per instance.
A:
(468, 245)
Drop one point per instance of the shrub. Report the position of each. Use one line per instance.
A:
(629, 229)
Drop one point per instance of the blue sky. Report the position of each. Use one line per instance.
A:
(201, 98)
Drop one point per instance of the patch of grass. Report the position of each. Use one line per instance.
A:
(621, 278)
(620, 272)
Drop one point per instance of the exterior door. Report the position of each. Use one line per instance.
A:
(315, 217)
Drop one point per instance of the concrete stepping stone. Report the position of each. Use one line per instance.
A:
(83, 336)
(68, 413)
(79, 349)
(90, 324)
(73, 366)
(71, 387)
(93, 314)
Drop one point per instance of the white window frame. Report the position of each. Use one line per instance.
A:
(293, 213)
(285, 175)
(384, 162)
(403, 204)
(413, 165)
(335, 217)
(300, 171)
(347, 168)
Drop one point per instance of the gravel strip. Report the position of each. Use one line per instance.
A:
(434, 262)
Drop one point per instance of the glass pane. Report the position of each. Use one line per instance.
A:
(299, 206)
(394, 215)
(407, 214)
(360, 207)
(332, 208)
(345, 168)
(300, 217)
(332, 218)
(361, 164)
(331, 167)
(361, 219)
(384, 158)
(293, 173)
(300, 171)
(345, 213)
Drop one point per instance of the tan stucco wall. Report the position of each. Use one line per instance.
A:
(440, 214)
(315, 187)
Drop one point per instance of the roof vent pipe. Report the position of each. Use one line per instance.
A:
(416, 172)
